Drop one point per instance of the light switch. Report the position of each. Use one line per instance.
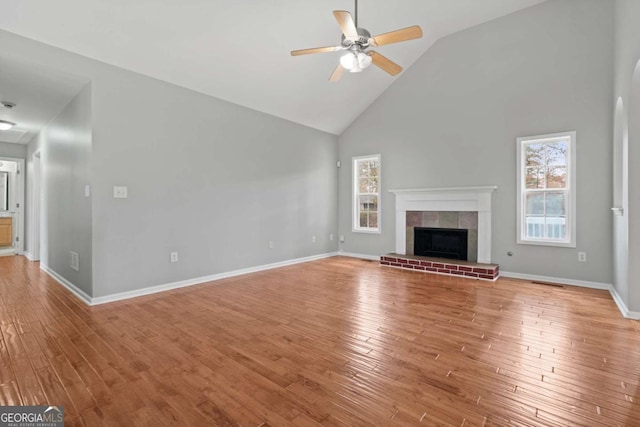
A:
(87, 191)
(120, 192)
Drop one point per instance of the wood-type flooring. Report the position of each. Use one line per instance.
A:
(335, 342)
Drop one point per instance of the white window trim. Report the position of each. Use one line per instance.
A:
(354, 200)
(570, 241)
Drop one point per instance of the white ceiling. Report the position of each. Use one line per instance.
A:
(39, 95)
(239, 50)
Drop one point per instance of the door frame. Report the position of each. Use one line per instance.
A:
(35, 220)
(19, 211)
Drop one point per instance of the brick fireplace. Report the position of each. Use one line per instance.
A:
(459, 200)
(466, 208)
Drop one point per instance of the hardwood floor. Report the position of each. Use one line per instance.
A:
(334, 342)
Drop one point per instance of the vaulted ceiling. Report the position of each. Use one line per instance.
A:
(239, 50)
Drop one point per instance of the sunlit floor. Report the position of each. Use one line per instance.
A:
(334, 342)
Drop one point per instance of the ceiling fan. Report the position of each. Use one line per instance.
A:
(356, 41)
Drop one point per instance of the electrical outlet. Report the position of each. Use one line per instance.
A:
(74, 260)
(174, 256)
(313, 239)
(120, 192)
(331, 236)
(341, 239)
(270, 244)
(582, 256)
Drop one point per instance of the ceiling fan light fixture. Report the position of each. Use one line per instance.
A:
(348, 60)
(355, 62)
(6, 125)
(364, 60)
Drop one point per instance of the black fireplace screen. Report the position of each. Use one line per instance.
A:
(440, 242)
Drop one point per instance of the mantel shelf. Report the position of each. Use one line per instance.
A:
(482, 189)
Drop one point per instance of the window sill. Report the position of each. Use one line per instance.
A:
(377, 231)
(558, 244)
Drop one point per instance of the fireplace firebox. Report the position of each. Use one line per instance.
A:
(448, 243)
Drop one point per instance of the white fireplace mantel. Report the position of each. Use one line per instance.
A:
(456, 199)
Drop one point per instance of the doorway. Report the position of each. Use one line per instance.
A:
(11, 206)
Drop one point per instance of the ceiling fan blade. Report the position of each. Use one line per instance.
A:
(384, 63)
(404, 34)
(337, 74)
(345, 21)
(315, 50)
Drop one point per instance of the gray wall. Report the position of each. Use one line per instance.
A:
(207, 178)
(65, 148)
(18, 151)
(627, 90)
(216, 187)
(453, 118)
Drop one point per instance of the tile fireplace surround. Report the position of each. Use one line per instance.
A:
(457, 199)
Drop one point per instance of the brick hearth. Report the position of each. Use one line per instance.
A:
(472, 270)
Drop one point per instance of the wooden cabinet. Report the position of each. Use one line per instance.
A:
(6, 232)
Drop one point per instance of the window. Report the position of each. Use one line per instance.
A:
(366, 194)
(546, 190)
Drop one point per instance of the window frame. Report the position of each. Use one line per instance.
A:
(355, 222)
(570, 190)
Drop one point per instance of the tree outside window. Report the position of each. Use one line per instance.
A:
(366, 193)
(546, 199)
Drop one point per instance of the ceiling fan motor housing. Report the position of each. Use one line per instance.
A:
(363, 40)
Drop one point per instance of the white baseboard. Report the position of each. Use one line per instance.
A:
(8, 252)
(67, 284)
(585, 284)
(198, 280)
(28, 255)
(535, 277)
(622, 306)
(190, 282)
(361, 256)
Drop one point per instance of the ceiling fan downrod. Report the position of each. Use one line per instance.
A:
(356, 13)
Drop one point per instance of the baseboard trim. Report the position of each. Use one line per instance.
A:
(583, 283)
(212, 278)
(199, 280)
(361, 256)
(8, 252)
(29, 256)
(622, 306)
(67, 284)
(538, 278)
